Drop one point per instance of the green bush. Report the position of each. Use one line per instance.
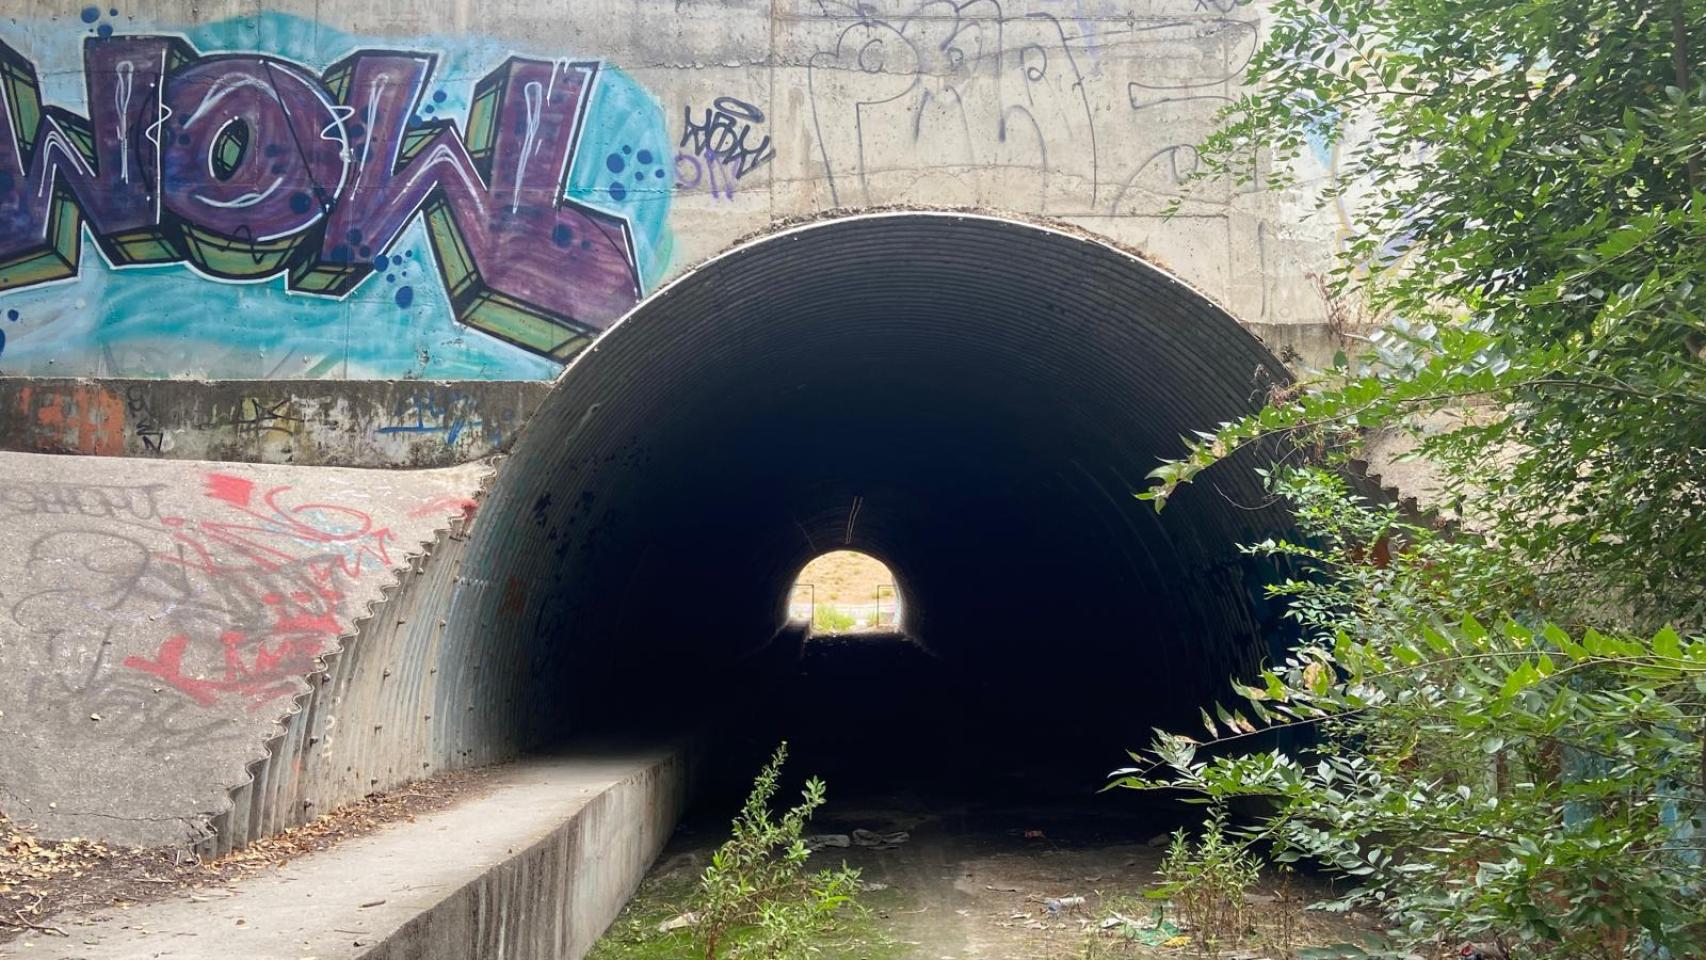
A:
(756, 899)
(1509, 722)
(1479, 780)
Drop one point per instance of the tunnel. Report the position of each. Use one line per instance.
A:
(974, 401)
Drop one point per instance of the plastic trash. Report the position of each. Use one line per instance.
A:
(1058, 904)
(676, 923)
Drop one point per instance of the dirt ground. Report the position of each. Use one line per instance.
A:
(971, 881)
(42, 878)
(976, 882)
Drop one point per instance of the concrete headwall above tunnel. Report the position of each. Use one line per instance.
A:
(972, 400)
(377, 195)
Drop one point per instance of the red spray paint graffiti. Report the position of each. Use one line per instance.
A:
(447, 503)
(268, 677)
(282, 572)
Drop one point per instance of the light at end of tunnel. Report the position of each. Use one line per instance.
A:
(845, 591)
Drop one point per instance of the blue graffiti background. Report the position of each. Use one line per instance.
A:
(168, 321)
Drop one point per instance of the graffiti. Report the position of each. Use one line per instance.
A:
(250, 167)
(147, 426)
(381, 188)
(402, 423)
(705, 171)
(446, 412)
(270, 529)
(246, 596)
(717, 147)
(94, 501)
(447, 504)
(1094, 113)
(83, 589)
(723, 134)
(287, 565)
(272, 674)
(960, 81)
(266, 418)
(77, 419)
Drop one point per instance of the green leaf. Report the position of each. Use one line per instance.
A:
(1666, 643)
(1562, 641)
(1519, 680)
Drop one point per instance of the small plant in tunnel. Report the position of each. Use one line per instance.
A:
(1207, 882)
(756, 899)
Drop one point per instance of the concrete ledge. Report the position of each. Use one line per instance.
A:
(534, 870)
(359, 423)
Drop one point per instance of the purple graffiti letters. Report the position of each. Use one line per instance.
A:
(70, 172)
(248, 166)
(707, 171)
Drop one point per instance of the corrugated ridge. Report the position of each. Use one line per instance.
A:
(294, 776)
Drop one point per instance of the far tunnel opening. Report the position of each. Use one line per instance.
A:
(969, 400)
(846, 592)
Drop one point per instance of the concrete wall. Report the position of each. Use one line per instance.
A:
(533, 866)
(553, 900)
(159, 620)
(472, 189)
(373, 423)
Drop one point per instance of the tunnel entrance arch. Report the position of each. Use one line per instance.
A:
(1010, 385)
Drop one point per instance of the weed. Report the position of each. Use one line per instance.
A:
(1287, 907)
(831, 619)
(1206, 882)
(756, 899)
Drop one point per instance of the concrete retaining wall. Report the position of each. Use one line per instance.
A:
(535, 867)
(162, 618)
(370, 423)
(554, 900)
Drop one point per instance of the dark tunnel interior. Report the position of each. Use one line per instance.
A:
(971, 400)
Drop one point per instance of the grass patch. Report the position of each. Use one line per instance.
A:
(860, 934)
(634, 934)
(831, 619)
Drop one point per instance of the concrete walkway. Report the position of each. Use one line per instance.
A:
(533, 870)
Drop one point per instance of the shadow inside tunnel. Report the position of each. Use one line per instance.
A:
(881, 720)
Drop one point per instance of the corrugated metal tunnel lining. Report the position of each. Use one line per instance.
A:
(971, 400)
